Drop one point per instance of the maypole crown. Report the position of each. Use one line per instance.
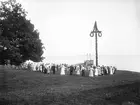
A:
(95, 27)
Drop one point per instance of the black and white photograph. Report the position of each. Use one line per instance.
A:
(69, 52)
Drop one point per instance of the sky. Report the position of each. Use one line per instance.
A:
(65, 25)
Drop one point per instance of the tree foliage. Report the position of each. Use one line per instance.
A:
(19, 40)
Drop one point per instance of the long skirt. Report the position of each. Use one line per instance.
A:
(91, 73)
(111, 71)
(83, 72)
(45, 71)
(78, 72)
(62, 71)
(48, 71)
(96, 72)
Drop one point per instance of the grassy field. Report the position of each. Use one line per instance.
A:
(35, 88)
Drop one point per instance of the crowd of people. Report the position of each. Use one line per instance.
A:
(64, 69)
(92, 70)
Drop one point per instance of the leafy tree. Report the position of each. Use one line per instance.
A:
(19, 40)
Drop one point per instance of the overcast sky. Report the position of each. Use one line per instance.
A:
(65, 25)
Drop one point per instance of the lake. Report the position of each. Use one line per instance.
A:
(122, 62)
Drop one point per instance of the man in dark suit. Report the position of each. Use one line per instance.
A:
(71, 70)
(53, 69)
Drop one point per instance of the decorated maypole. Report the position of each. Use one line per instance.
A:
(96, 33)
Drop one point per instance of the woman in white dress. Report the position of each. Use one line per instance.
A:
(78, 70)
(96, 71)
(32, 66)
(91, 72)
(49, 69)
(62, 70)
(99, 71)
(111, 70)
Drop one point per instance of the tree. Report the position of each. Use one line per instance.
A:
(19, 40)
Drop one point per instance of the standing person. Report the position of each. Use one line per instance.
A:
(37, 67)
(83, 70)
(105, 72)
(91, 71)
(53, 68)
(45, 69)
(96, 71)
(57, 67)
(80, 67)
(62, 70)
(99, 70)
(94, 67)
(108, 69)
(114, 69)
(71, 70)
(78, 70)
(40, 67)
(74, 67)
(49, 69)
(111, 70)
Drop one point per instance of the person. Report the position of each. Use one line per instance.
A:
(62, 70)
(99, 71)
(103, 70)
(111, 70)
(40, 67)
(53, 68)
(45, 69)
(108, 69)
(71, 69)
(49, 69)
(91, 71)
(78, 70)
(114, 69)
(94, 67)
(57, 67)
(96, 71)
(83, 70)
(37, 67)
(33, 66)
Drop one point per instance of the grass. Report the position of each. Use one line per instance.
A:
(35, 88)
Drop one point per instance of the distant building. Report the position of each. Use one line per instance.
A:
(88, 62)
